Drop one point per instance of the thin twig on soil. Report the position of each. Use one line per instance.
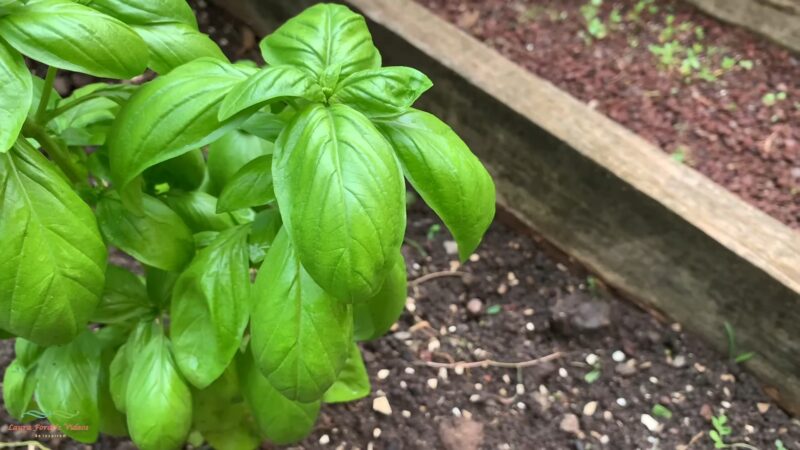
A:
(435, 275)
(493, 363)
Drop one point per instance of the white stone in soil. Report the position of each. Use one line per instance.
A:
(652, 424)
(381, 405)
(406, 413)
(622, 402)
(618, 356)
(433, 383)
(376, 433)
(450, 247)
(589, 408)
(592, 359)
(324, 439)
(383, 374)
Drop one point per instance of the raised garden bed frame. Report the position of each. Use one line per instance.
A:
(657, 231)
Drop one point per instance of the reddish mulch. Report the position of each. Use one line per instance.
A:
(724, 128)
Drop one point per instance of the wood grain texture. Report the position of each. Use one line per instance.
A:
(778, 20)
(653, 228)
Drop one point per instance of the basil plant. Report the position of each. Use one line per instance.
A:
(262, 212)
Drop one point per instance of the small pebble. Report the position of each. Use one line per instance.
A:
(570, 424)
(474, 398)
(383, 374)
(521, 406)
(503, 392)
(622, 402)
(679, 361)
(530, 326)
(376, 433)
(474, 306)
(452, 329)
(592, 359)
(474, 257)
(456, 412)
(725, 404)
(403, 384)
(653, 380)
(699, 367)
(450, 247)
(442, 373)
(520, 388)
(562, 372)
(324, 439)
(406, 413)
(459, 370)
(618, 356)
(651, 423)
(381, 405)
(478, 386)
(506, 379)
(410, 370)
(589, 409)
(433, 383)
(434, 345)
(762, 407)
(528, 312)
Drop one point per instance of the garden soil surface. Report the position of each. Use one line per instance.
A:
(742, 129)
(578, 368)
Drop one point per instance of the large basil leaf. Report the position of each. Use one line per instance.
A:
(280, 419)
(171, 115)
(383, 91)
(199, 211)
(374, 317)
(250, 186)
(145, 12)
(52, 261)
(121, 364)
(157, 236)
(353, 382)
(16, 91)
(230, 153)
(124, 297)
(210, 307)
(264, 229)
(300, 335)
(112, 421)
(67, 393)
(447, 175)
(158, 402)
(68, 35)
(185, 172)
(267, 125)
(175, 44)
(221, 415)
(159, 284)
(322, 36)
(269, 84)
(19, 383)
(342, 199)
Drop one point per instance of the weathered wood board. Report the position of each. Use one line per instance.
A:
(654, 229)
(778, 20)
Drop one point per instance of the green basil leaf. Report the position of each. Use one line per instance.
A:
(159, 404)
(265, 228)
(230, 153)
(52, 261)
(221, 415)
(26, 351)
(19, 383)
(112, 422)
(199, 211)
(68, 391)
(16, 92)
(175, 44)
(250, 186)
(159, 285)
(323, 35)
(269, 84)
(280, 419)
(374, 317)
(120, 368)
(145, 12)
(353, 382)
(185, 172)
(157, 236)
(170, 116)
(450, 179)
(70, 36)
(210, 308)
(124, 297)
(342, 198)
(267, 125)
(300, 335)
(383, 91)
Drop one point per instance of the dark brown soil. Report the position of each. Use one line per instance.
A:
(727, 129)
(533, 303)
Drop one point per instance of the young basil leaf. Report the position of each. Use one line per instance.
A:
(342, 199)
(70, 36)
(353, 382)
(210, 308)
(124, 297)
(170, 116)
(374, 317)
(267, 125)
(300, 335)
(175, 44)
(446, 174)
(157, 236)
(52, 261)
(146, 12)
(266, 226)
(230, 153)
(281, 420)
(383, 91)
(250, 186)
(120, 368)
(16, 92)
(321, 36)
(269, 84)
(68, 391)
(159, 285)
(27, 352)
(19, 383)
(221, 415)
(159, 404)
(185, 172)
(199, 211)
(112, 422)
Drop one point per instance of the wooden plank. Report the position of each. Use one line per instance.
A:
(653, 228)
(778, 20)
